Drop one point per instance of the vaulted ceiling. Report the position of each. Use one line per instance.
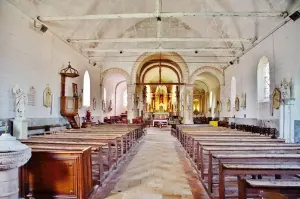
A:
(208, 32)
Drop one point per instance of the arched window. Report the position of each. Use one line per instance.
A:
(104, 95)
(125, 99)
(233, 92)
(263, 80)
(210, 99)
(86, 89)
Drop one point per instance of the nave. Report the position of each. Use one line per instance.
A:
(166, 175)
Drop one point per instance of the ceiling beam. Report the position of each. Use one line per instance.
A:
(179, 39)
(261, 39)
(158, 19)
(188, 62)
(187, 56)
(162, 14)
(121, 51)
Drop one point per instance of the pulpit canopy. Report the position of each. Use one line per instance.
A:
(69, 71)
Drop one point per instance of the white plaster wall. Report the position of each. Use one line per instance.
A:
(282, 49)
(119, 99)
(31, 58)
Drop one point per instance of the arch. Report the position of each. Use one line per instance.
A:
(163, 62)
(145, 57)
(162, 66)
(116, 87)
(86, 89)
(209, 69)
(114, 71)
(263, 80)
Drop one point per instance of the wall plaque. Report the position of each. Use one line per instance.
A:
(47, 97)
(32, 97)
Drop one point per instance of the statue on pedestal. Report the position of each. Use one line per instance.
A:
(21, 102)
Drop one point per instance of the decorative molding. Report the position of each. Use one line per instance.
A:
(12, 160)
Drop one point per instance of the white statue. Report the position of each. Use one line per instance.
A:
(21, 101)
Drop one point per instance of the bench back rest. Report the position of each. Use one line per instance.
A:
(271, 195)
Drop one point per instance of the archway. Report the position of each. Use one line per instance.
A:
(114, 82)
(158, 78)
(206, 92)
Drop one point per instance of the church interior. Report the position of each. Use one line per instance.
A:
(152, 99)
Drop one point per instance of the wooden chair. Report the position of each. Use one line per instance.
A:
(271, 195)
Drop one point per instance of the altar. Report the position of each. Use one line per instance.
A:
(163, 122)
(161, 102)
(161, 115)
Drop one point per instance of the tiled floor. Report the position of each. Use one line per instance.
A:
(159, 170)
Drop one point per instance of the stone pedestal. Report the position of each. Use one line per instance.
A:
(20, 128)
(13, 155)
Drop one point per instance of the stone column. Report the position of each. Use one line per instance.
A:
(188, 108)
(13, 155)
(140, 104)
(223, 101)
(181, 104)
(101, 95)
(101, 102)
(130, 102)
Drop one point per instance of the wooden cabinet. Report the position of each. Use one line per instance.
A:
(57, 173)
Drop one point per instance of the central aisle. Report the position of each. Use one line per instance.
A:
(159, 170)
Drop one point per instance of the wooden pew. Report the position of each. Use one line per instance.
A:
(190, 137)
(111, 141)
(195, 146)
(248, 158)
(129, 137)
(96, 147)
(58, 172)
(191, 142)
(200, 149)
(210, 151)
(124, 146)
(253, 169)
(277, 186)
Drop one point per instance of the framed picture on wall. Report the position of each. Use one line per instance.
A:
(75, 90)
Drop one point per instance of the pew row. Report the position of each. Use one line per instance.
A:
(210, 148)
(107, 150)
(287, 187)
